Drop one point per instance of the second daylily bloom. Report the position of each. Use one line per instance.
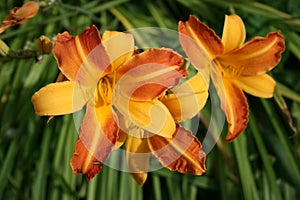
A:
(91, 68)
(241, 65)
(174, 146)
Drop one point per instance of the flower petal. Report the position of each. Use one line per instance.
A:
(234, 33)
(119, 47)
(260, 85)
(257, 56)
(98, 133)
(236, 109)
(122, 136)
(140, 178)
(188, 99)
(182, 153)
(209, 44)
(148, 74)
(137, 158)
(84, 52)
(83, 162)
(152, 116)
(58, 99)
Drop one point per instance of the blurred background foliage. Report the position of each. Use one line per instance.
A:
(263, 163)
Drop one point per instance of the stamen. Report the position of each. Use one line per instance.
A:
(114, 79)
(99, 92)
(109, 90)
(134, 130)
(228, 70)
(104, 90)
(232, 70)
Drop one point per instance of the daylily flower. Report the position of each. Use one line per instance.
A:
(19, 15)
(175, 147)
(84, 65)
(90, 69)
(242, 65)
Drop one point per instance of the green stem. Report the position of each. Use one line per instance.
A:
(265, 157)
(121, 18)
(290, 161)
(246, 174)
(7, 165)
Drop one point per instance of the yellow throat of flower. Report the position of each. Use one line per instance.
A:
(104, 91)
(228, 71)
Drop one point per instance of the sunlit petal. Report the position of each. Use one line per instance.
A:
(188, 99)
(84, 52)
(140, 178)
(98, 133)
(58, 99)
(119, 47)
(257, 56)
(148, 74)
(147, 82)
(182, 153)
(234, 33)
(122, 136)
(260, 85)
(83, 162)
(206, 39)
(236, 109)
(152, 116)
(137, 158)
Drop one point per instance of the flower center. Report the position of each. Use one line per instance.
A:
(135, 131)
(104, 91)
(228, 71)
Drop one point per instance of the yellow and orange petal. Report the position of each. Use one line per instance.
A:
(236, 109)
(146, 75)
(83, 52)
(98, 134)
(84, 162)
(203, 36)
(182, 153)
(257, 56)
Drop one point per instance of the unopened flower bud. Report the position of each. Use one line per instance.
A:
(44, 45)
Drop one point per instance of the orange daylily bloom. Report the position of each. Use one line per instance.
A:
(19, 15)
(242, 65)
(76, 84)
(91, 68)
(175, 149)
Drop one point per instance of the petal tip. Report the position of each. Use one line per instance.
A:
(140, 178)
(233, 134)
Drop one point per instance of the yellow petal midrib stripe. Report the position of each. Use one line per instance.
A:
(80, 48)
